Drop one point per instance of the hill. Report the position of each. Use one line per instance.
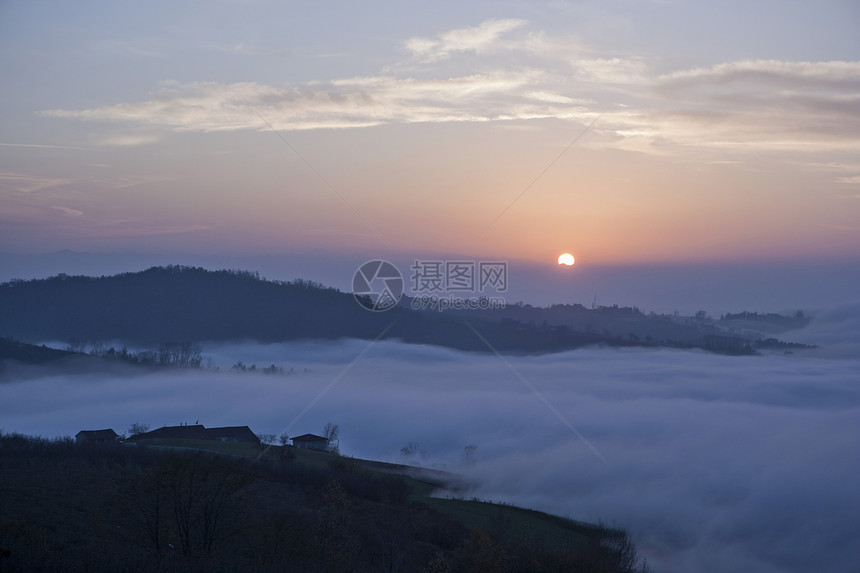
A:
(69, 507)
(175, 304)
(13, 350)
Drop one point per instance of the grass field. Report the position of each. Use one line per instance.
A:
(513, 522)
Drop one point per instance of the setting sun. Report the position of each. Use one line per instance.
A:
(566, 259)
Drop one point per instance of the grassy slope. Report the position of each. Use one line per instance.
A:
(514, 522)
(66, 507)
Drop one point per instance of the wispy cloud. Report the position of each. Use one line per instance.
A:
(612, 70)
(129, 228)
(743, 105)
(24, 183)
(817, 75)
(804, 106)
(345, 103)
(45, 146)
(480, 39)
(127, 140)
(67, 211)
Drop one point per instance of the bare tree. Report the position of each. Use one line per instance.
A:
(184, 354)
(411, 450)
(137, 428)
(146, 496)
(336, 535)
(201, 492)
(332, 435)
(266, 441)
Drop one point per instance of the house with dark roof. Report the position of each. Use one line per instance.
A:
(233, 434)
(198, 432)
(311, 442)
(190, 432)
(96, 437)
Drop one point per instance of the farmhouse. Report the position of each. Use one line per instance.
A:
(311, 442)
(233, 434)
(96, 437)
(193, 432)
(198, 432)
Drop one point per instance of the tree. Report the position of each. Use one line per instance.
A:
(145, 493)
(287, 452)
(411, 450)
(200, 490)
(336, 536)
(183, 355)
(332, 435)
(266, 441)
(137, 428)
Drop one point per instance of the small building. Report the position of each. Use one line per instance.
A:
(96, 437)
(311, 442)
(189, 432)
(233, 434)
(198, 432)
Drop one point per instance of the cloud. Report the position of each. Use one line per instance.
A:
(817, 75)
(804, 106)
(612, 70)
(346, 103)
(24, 183)
(741, 106)
(128, 140)
(714, 463)
(43, 146)
(481, 39)
(67, 211)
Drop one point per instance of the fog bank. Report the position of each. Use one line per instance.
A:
(713, 463)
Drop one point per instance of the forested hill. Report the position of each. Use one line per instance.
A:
(29, 353)
(176, 304)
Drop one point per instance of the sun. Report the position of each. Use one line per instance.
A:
(566, 259)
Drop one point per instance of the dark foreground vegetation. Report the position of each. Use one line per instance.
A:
(114, 507)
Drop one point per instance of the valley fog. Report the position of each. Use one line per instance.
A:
(712, 463)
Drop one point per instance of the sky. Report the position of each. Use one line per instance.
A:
(627, 132)
(711, 463)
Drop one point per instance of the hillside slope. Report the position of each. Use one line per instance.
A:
(176, 304)
(67, 507)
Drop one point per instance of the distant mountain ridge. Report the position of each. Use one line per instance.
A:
(177, 303)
